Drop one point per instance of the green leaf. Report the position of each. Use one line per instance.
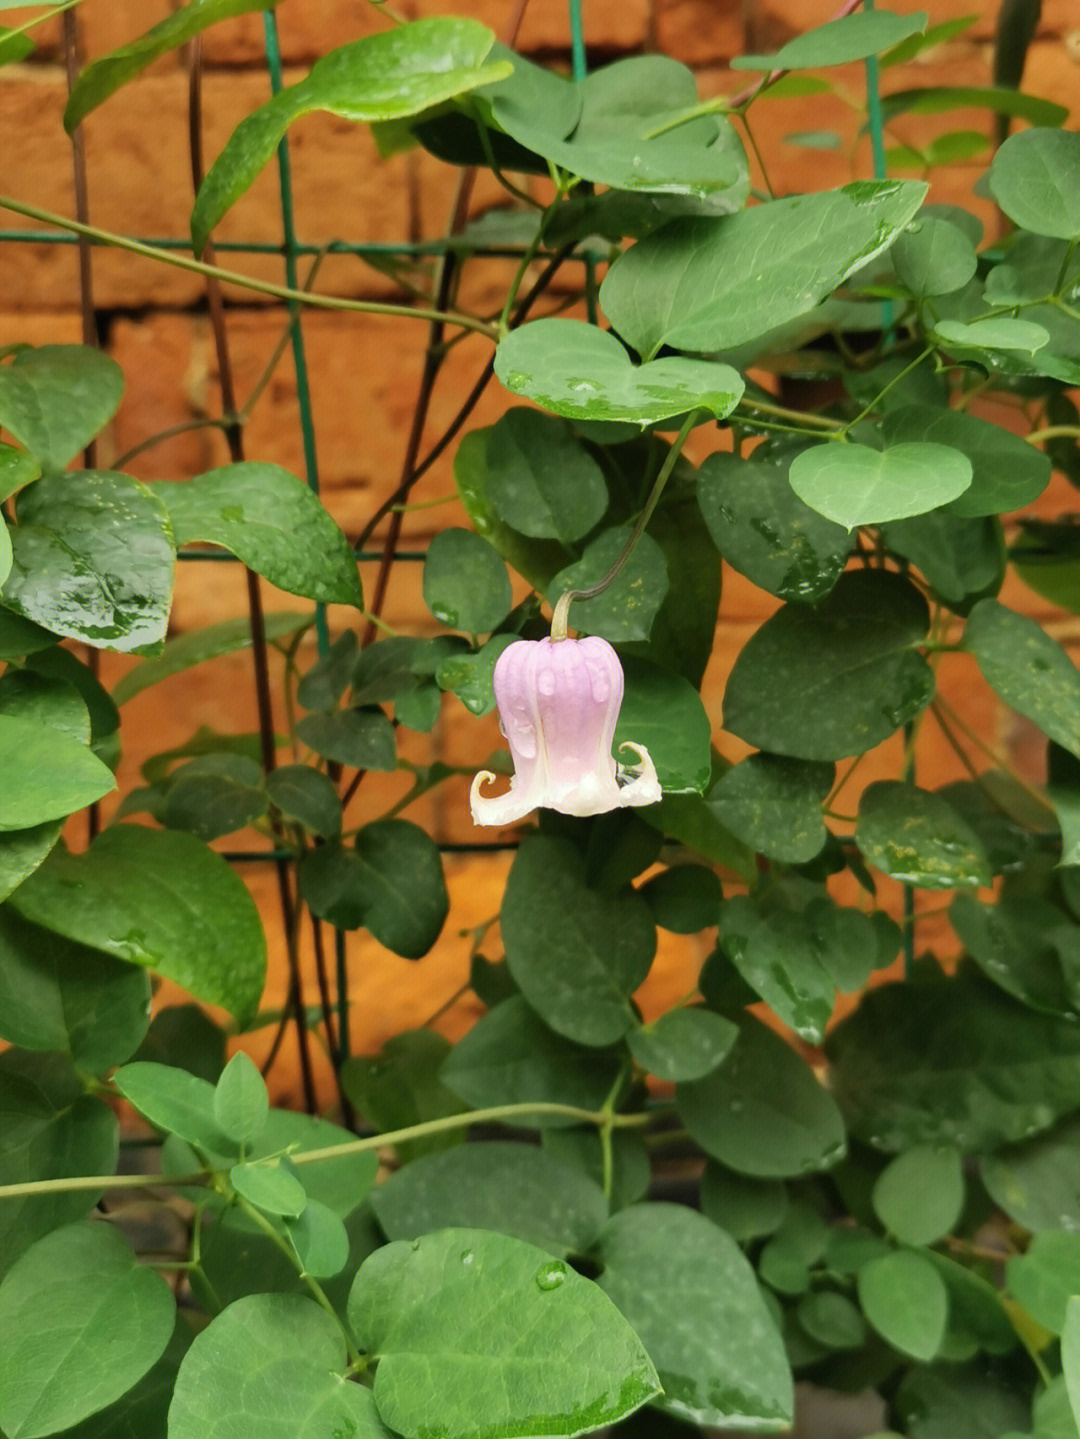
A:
(961, 559)
(466, 586)
(765, 531)
(271, 521)
(159, 899)
(836, 680)
(56, 398)
(832, 1320)
(51, 1130)
(61, 666)
(682, 1044)
(773, 804)
(511, 1057)
(62, 996)
(241, 1102)
(22, 850)
(942, 1401)
(540, 478)
(177, 1102)
(55, 1304)
(341, 1183)
(582, 372)
(514, 1189)
(17, 468)
(934, 256)
(919, 1195)
(627, 608)
(779, 956)
(691, 1295)
(710, 284)
(762, 1112)
(320, 1240)
(93, 560)
(185, 1036)
(104, 76)
(401, 1086)
(1007, 472)
(1070, 1357)
(47, 774)
(393, 885)
(46, 702)
(1027, 669)
(684, 899)
(965, 1064)
(497, 1336)
(577, 955)
(181, 653)
(1035, 178)
(306, 796)
(993, 333)
(664, 712)
(19, 637)
(854, 37)
(361, 738)
(386, 76)
(291, 1356)
(746, 1208)
(470, 675)
(1027, 946)
(857, 485)
(905, 1299)
(213, 795)
(917, 837)
(1037, 1182)
(271, 1187)
(1045, 1276)
(999, 99)
(141, 1413)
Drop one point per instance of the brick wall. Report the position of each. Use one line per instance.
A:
(364, 369)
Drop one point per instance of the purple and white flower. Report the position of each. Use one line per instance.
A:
(558, 703)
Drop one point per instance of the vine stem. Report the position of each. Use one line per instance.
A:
(500, 1114)
(944, 711)
(246, 282)
(562, 605)
(1054, 432)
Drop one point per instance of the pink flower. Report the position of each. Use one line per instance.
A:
(558, 702)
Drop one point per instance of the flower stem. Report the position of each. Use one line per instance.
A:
(566, 599)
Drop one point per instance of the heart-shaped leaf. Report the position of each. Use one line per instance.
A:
(582, 372)
(55, 399)
(856, 485)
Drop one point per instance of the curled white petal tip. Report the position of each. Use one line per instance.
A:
(644, 788)
(497, 809)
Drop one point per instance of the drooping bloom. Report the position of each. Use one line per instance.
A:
(558, 703)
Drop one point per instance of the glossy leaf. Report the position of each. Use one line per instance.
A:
(51, 1130)
(711, 284)
(93, 560)
(540, 478)
(196, 647)
(159, 899)
(625, 610)
(22, 850)
(1007, 472)
(271, 521)
(664, 712)
(693, 1298)
(919, 1195)
(514, 1189)
(47, 774)
(836, 680)
(763, 1113)
(582, 372)
(389, 75)
(577, 955)
(917, 837)
(292, 1357)
(1027, 946)
(1035, 178)
(905, 1299)
(965, 1064)
(934, 257)
(839, 42)
(104, 76)
(774, 805)
(765, 531)
(53, 1303)
(857, 485)
(56, 398)
(466, 586)
(521, 1342)
(1027, 669)
(55, 995)
(511, 1057)
(779, 956)
(682, 1044)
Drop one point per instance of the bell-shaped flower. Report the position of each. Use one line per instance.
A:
(558, 703)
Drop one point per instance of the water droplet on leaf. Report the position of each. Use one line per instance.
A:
(550, 1276)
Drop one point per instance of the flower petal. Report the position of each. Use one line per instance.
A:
(501, 809)
(644, 788)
